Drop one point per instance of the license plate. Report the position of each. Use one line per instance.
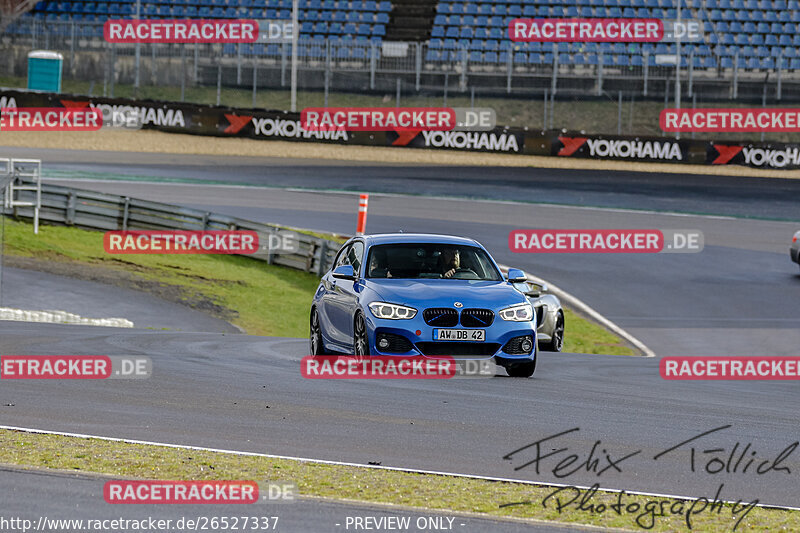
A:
(476, 335)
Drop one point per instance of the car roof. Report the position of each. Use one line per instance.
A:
(390, 238)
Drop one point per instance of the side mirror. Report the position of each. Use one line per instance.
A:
(516, 276)
(344, 272)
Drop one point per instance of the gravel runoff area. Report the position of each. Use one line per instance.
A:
(156, 141)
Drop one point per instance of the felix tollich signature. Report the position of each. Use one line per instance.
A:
(645, 513)
(700, 454)
(738, 459)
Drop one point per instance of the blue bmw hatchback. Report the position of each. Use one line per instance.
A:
(418, 294)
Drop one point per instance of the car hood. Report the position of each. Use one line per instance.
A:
(422, 293)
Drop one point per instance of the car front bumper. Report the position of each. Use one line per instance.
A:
(421, 341)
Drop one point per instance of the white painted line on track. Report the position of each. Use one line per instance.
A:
(359, 465)
(584, 308)
(60, 317)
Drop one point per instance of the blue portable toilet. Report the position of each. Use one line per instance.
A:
(44, 71)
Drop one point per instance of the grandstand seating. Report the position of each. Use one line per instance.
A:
(761, 33)
(359, 20)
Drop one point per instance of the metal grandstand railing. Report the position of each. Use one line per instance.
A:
(352, 65)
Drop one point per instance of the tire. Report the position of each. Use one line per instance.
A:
(556, 343)
(522, 370)
(360, 338)
(315, 344)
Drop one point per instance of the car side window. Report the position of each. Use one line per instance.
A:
(355, 255)
(342, 258)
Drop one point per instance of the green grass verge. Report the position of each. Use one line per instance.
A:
(262, 299)
(431, 492)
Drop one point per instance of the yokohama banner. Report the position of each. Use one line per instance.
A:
(284, 126)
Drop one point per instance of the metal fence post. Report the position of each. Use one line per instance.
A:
(105, 70)
(554, 81)
(125, 213)
(600, 74)
(219, 81)
(619, 114)
(183, 73)
(646, 61)
(153, 65)
(446, 83)
(735, 87)
(113, 68)
(691, 71)
(372, 64)
(472, 97)
(464, 67)
(196, 59)
(780, 71)
(327, 70)
(630, 116)
(418, 64)
(239, 64)
(509, 66)
(72, 49)
(764, 101)
(283, 64)
(544, 122)
(397, 98)
(255, 80)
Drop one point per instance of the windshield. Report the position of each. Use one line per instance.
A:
(430, 261)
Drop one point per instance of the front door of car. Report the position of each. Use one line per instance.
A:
(342, 299)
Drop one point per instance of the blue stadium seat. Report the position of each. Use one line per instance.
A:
(771, 40)
(736, 27)
(636, 61)
(762, 51)
(753, 63)
(490, 57)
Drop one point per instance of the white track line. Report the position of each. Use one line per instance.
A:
(584, 308)
(359, 465)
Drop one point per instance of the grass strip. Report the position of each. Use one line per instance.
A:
(262, 299)
(425, 491)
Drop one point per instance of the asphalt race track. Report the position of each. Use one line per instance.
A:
(737, 297)
(80, 497)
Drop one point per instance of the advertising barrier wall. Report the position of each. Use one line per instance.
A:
(286, 126)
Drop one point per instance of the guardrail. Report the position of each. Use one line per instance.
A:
(107, 212)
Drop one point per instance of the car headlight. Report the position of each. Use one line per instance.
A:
(518, 313)
(392, 311)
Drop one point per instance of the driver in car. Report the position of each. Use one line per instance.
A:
(451, 262)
